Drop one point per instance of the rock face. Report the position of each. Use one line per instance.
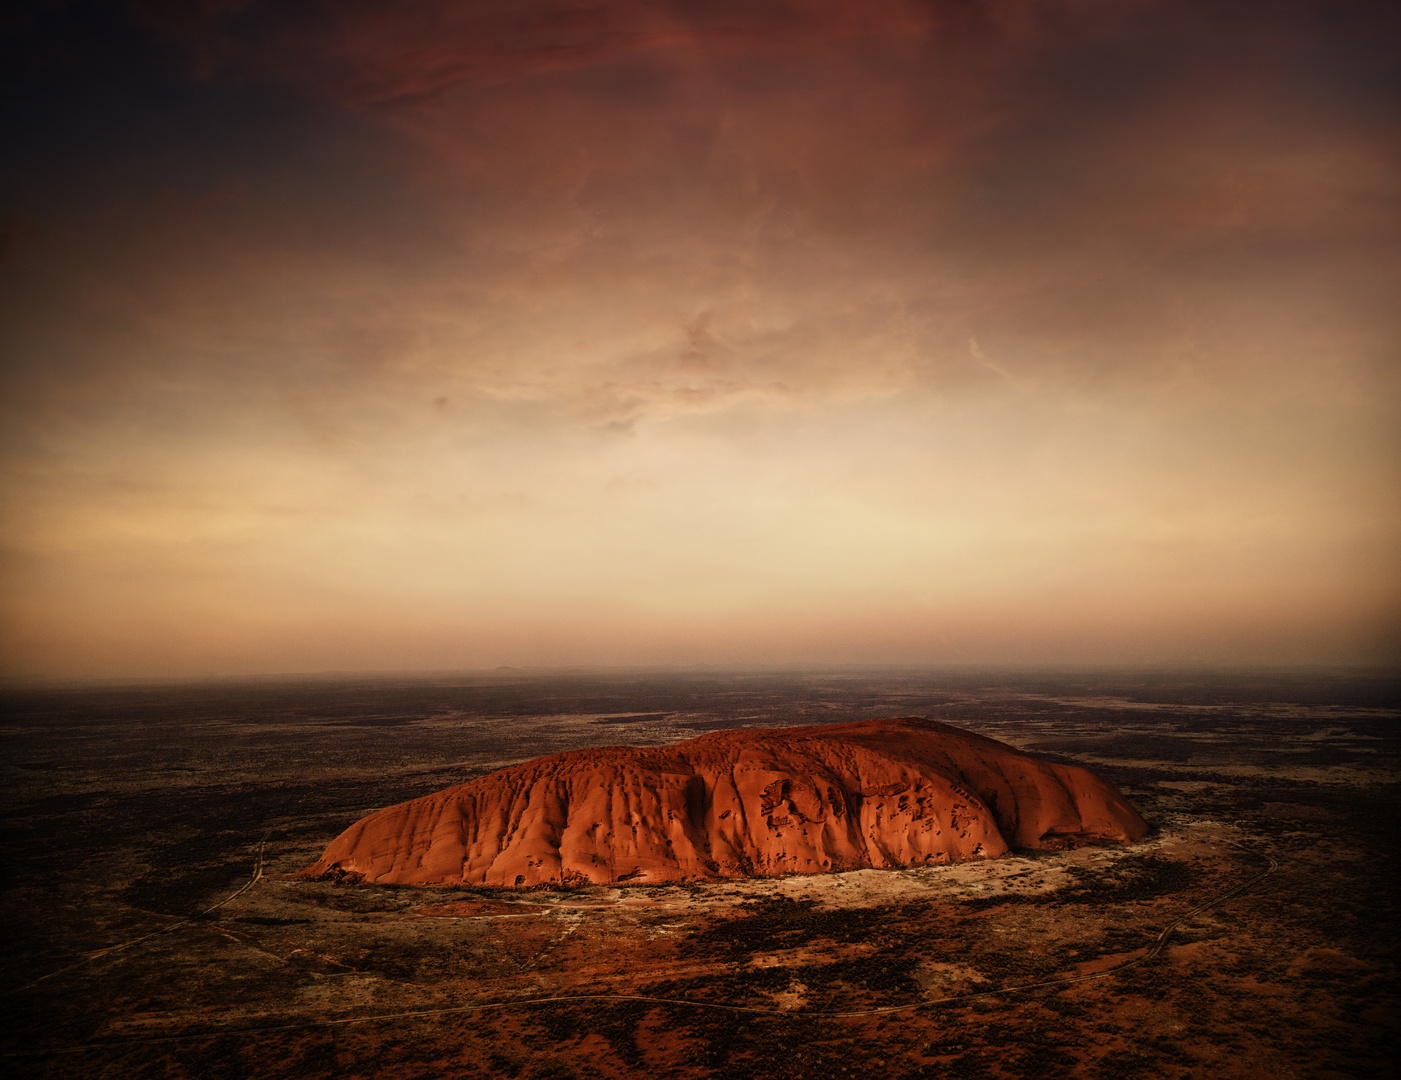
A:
(752, 802)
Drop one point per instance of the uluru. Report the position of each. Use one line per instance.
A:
(904, 792)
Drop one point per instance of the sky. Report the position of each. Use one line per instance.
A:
(342, 335)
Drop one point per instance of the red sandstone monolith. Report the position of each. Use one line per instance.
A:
(750, 802)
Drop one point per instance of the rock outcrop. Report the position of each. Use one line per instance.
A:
(751, 802)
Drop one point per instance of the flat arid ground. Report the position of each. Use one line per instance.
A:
(154, 928)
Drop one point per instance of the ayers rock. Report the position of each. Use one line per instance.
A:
(750, 802)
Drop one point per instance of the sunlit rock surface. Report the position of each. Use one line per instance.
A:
(766, 802)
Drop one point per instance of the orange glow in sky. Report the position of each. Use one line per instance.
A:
(359, 336)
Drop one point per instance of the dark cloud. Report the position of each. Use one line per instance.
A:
(1084, 185)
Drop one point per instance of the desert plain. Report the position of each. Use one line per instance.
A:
(156, 925)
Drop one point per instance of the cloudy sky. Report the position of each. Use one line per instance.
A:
(350, 335)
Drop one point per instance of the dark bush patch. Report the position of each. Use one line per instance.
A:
(782, 923)
(889, 971)
(1138, 877)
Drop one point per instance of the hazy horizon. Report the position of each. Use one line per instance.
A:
(439, 336)
(1359, 682)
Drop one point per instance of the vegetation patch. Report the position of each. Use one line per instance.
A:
(782, 923)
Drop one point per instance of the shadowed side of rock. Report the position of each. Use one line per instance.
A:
(880, 793)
